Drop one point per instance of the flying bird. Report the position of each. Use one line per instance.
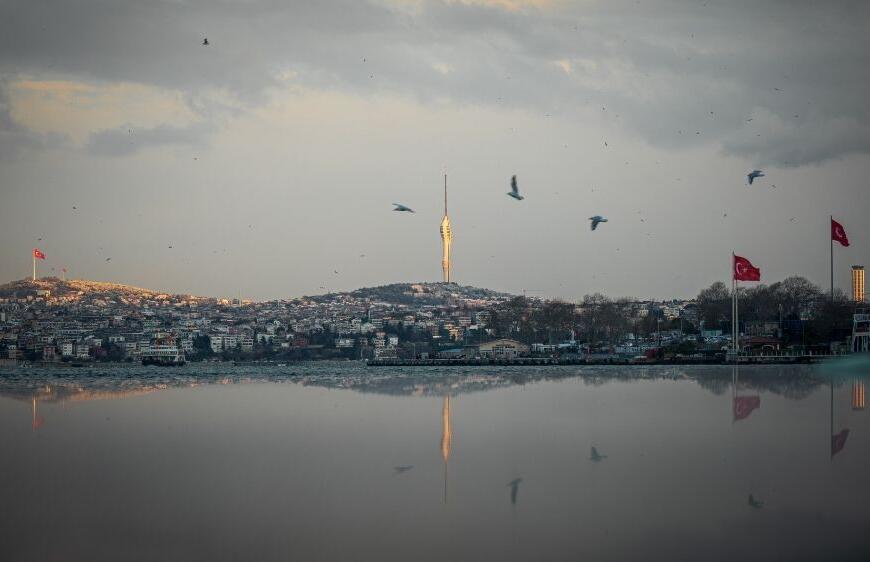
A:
(403, 468)
(754, 174)
(515, 488)
(515, 190)
(108, 259)
(402, 208)
(594, 456)
(205, 41)
(596, 220)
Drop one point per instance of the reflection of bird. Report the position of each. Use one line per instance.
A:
(755, 503)
(595, 456)
(515, 190)
(205, 41)
(402, 208)
(754, 174)
(403, 468)
(596, 220)
(515, 487)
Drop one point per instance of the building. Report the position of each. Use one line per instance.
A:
(503, 349)
(861, 331)
(858, 283)
(446, 239)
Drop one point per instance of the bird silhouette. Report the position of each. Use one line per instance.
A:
(402, 468)
(596, 220)
(594, 456)
(515, 190)
(515, 488)
(754, 174)
(205, 41)
(402, 208)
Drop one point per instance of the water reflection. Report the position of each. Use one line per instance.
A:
(278, 465)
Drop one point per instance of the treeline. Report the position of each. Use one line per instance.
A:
(803, 312)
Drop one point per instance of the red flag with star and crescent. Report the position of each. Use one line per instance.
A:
(37, 253)
(744, 270)
(838, 233)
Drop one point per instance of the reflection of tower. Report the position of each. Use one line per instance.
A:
(446, 239)
(446, 439)
(857, 395)
(36, 421)
(858, 283)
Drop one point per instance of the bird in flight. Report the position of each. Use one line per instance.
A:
(108, 259)
(402, 208)
(595, 456)
(403, 468)
(515, 190)
(754, 174)
(205, 42)
(596, 220)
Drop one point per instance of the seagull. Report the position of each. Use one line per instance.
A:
(595, 457)
(403, 208)
(756, 503)
(108, 259)
(403, 468)
(205, 42)
(754, 174)
(515, 487)
(515, 190)
(596, 220)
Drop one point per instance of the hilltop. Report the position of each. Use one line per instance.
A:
(435, 294)
(74, 289)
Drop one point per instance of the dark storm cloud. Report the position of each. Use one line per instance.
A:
(662, 66)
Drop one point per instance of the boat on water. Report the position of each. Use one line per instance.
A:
(163, 352)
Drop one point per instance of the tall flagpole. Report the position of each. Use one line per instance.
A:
(33, 255)
(831, 239)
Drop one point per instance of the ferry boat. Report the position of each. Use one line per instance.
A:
(163, 352)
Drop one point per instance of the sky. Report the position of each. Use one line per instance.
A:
(269, 159)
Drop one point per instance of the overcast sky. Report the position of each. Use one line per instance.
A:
(269, 159)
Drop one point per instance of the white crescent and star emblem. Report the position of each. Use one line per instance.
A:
(739, 268)
(839, 232)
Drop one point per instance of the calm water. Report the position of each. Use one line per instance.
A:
(338, 462)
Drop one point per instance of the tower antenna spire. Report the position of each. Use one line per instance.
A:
(445, 194)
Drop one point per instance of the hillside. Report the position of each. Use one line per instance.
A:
(77, 288)
(418, 293)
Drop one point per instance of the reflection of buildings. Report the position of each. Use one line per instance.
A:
(446, 239)
(858, 283)
(446, 439)
(857, 395)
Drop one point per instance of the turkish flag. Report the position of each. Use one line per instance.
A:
(838, 233)
(745, 271)
(744, 405)
(838, 441)
(38, 254)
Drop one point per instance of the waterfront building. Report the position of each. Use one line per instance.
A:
(858, 283)
(861, 331)
(503, 349)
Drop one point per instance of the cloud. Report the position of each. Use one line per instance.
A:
(126, 140)
(14, 137)
(674, 73)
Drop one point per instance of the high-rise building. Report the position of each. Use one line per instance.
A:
(446, 239)
(858, 283)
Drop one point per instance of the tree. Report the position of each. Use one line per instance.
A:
(714, 305)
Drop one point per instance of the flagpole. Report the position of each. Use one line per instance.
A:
(830, 236)
(832, 420)
(33, 255)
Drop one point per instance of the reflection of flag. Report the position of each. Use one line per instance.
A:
(37, 253)
(838, 233)
(744, 405)
(838, 441)
(745, 271)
